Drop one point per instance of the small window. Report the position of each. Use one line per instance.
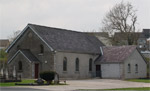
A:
(77, 64)
(18, 47)
(41, 49)
(90, 64)
(129, 68)
(136, 68)
(19, 65)
(65, 64)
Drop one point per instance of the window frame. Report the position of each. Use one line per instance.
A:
(136, 68)
(65, 64)
(77, 64)
(41, 49)
(129, 68)
(20, 66)
(90, 64)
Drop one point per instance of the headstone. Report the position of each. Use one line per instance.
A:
(2, 72)
(14, 72)
(6, 73)
(40, 81)
(56, 79)
(149, 68)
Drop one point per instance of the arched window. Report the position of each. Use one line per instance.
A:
(90, 64)
(19, 65)
(77, 64)
(129, 68)
(136, 68)
(65, 64)
(41, 49)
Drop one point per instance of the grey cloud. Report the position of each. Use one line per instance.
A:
(81, 15)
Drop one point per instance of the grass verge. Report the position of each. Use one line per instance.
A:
(13, 83)
(139, 80)
(122, 89)
(138, 88)
(7, 84)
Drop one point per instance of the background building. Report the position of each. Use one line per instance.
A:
(4, 43)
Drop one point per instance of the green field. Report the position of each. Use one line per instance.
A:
(140, 80)
(13, 83)
(122, 89)
(138, 88)
(25, 81)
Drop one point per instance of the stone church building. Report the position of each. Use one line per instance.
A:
(73, 55)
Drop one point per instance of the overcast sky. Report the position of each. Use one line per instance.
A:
(79, 15)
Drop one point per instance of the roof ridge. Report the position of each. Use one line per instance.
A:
(56, 39)
(55, 28)
(120, 46)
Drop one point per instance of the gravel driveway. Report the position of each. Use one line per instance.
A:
(91, 84)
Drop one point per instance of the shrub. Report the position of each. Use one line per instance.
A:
(48, 76)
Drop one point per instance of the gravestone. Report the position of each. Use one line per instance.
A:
(14, 72)
(6, 73)
(2, 72)
(40, 81)
(56, 79)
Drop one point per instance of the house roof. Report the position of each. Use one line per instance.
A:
(66, 40)
(118, 36)
(27, 54)
(116, 53)
(145, 33)
(101, 34)
(4, 42)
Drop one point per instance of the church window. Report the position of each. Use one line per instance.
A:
(136, 68)
(65, 64)
(90, 64)
(77, 64)
(129, 68)
(19, 65)
(41, 49)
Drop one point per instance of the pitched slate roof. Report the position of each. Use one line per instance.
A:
(67, 40)
(27, 54)
(116, 53)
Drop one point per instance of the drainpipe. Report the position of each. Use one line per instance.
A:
(54, 54)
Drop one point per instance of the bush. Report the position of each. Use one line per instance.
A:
(48, 76)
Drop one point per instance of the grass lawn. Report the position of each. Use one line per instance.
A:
(140, 80)
(138, 88)
(13, 83)
(24, 82)
(122, 89)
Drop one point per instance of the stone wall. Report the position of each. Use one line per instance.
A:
(29, 40)
(135, 58)
(71, 73)
(26, 71)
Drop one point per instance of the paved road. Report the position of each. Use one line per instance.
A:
(83, 84)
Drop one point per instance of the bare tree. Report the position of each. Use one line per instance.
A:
(14, 35)
(121, 18)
